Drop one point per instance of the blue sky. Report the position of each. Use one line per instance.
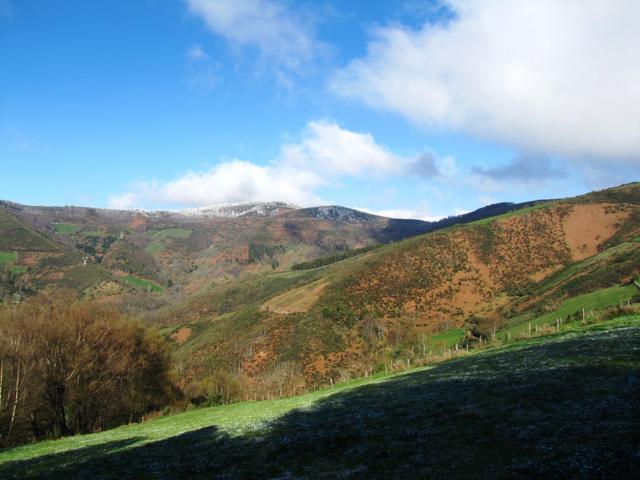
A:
(413, 109)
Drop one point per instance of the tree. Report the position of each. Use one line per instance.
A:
(76, 367)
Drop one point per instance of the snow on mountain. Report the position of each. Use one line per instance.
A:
(235, 210)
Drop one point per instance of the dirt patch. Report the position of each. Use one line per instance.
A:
(299, 299)
(138, 223)
(182, 335)
(32, 259)
(589, 226)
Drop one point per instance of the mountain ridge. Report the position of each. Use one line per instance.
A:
(225, 295)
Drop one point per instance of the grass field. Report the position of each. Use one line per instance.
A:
(84, 276)
(562, 406)
(94, 233)
(571, 270)
(142, 283)
(448, 338)
(16, 235)
(170, 233)
(8, 257)
(591, 301)
(66, 228)
(18, 269)
(157, 236)
(297, 300)
(155, 247)
(514, 213)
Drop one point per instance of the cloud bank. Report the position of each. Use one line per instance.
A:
(325, 154)
(555, 77)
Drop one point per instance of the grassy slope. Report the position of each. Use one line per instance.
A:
(514, 213)
(297, 300)
(448, 338)
(142, 283)
(499, 413)
(16, 235)
(578, 267)
(592, 301)
(171, 233)
(8, 257)
(66, 228)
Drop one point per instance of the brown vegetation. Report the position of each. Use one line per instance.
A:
(68, 367)
(587, 227)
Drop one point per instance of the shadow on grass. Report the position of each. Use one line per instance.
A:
(564, 409)
(60, 461)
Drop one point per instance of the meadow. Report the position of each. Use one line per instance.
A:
(7, 257)
(572, 309)
(557, 406)
(66, 228)
(142, 283)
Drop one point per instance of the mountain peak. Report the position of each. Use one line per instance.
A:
(241, 209)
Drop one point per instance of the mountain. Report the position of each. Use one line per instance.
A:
(235, 210)
(243, 308)
(456, 285)
(114, 253)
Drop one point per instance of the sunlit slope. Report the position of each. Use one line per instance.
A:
(356, 314)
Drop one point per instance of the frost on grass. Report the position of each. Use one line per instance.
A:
(561, 407)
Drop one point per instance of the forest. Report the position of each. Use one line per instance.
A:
(68, 367)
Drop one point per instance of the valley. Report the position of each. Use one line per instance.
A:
(251, 307)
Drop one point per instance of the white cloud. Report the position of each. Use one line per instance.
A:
(556, 77)
(335, 151)
(281, 36)
(325, 154)
(403, 213)
(123, 201)
(227, 182)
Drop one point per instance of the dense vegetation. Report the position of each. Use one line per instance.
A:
(322, 261)
(68, 367)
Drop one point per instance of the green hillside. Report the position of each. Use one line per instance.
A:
(498, 413)
(16, 235)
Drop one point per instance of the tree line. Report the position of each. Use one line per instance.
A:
(69, 367)
(322, 261)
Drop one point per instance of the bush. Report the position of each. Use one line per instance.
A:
(323, 261)
(340, 313)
